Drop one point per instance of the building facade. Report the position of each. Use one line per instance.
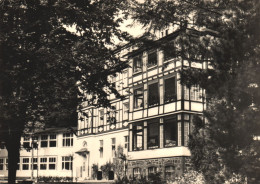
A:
(152, 124)
(51, 156)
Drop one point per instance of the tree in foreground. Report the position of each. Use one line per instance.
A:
(43, 64)
(224, 35)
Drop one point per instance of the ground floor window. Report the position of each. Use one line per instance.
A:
(152, 170)
(137, 172)
(153, 135)
(138, 137)
(67, 163)
(101, 142)
(113, 140)
(43, 163)
(126, 142)
(169, 172)
(52, 163)
(26, 163)
(170, 132)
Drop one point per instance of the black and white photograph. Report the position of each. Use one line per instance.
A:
(130, 91)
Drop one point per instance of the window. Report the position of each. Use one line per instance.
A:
(153, 95)
(169, 90)
(153, 135)
(170, 132)
(101, 148)
(67, 139)
(169, 172)
(138, 98)
(101, 117)
(152, 59)
(195, 93)
(1, 164)
(137, 172)
(112, 115)
(66, 163)
(53, 140)
(152, 170)
(35, 163)
(168, 53)
(6, 164)
(137, 64)
(125, 110)
(126, 142)
(113, 147)
(186, 133)
(43, 163)
(52, 163)
(26, 163)
(26, 142)
(44, 141)
(186, 93)
(138, 137)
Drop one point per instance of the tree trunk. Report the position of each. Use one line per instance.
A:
(13, 148)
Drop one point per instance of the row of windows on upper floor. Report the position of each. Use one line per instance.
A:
(44, 163)
(169, 133)
(138, 63)
(152, 60)
(45, 141)
(170, 91)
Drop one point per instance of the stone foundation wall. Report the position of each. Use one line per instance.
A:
(180, 164)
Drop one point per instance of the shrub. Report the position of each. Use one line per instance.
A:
(106, 168)
(191, 177)
(48, 179)
(95, 171)
(152, 179)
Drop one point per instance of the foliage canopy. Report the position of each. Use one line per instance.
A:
(43, 64)
(224, 35)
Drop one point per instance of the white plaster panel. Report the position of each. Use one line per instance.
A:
(137, 78)
(169, 66)
(137, 114)
(178, 63)
(186, 105)
(196, 65)
(153, 111)
(186, 63)
(145, 113)
(169, 107)
(152, 72)
(158, 153)
(161, 109)
(195, 106)
(179, 105)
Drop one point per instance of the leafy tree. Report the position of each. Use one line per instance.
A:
(224, 35)
(45, 67)
(120, 162)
